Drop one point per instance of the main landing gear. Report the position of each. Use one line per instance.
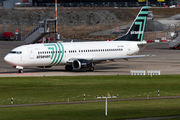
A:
(91, 69)
(68, 68)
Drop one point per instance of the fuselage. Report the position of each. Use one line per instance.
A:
(50, 54)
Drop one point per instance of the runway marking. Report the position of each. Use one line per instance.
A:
(4, 69)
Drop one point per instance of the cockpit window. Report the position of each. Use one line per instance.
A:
(18, 52)
(15, 52)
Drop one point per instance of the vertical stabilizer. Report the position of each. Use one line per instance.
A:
(136, 31)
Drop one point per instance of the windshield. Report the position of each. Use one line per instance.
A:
(15, 52)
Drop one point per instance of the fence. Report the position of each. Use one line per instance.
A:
(9, 4)
(104, 4)
(90, 32)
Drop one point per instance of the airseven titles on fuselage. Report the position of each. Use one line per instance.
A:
(136, 32)
(43, 56)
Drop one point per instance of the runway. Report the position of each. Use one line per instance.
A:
(166, 60)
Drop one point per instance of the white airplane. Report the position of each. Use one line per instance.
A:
(81, 55)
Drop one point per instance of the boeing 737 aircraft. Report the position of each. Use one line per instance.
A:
(82, 55)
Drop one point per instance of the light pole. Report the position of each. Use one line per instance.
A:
(146, 2)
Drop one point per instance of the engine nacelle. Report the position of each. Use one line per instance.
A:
(82, 64)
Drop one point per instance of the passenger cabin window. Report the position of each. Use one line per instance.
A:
(94, 50)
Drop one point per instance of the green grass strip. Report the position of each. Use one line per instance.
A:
(88, 111)
(60, 88)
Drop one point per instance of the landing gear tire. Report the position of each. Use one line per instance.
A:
(20, 71)
(91, 69)
(68, 68)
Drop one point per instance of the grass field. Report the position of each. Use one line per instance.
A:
(95, 111)
(60, 89)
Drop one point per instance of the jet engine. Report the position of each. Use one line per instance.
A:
(81, 64)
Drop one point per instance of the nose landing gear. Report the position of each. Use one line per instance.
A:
(20, 71)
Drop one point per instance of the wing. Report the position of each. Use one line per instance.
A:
(108, 59)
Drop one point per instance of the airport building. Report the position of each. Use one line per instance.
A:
(122, 3)
(87, 3)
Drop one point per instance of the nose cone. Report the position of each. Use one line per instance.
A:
(8, 59)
